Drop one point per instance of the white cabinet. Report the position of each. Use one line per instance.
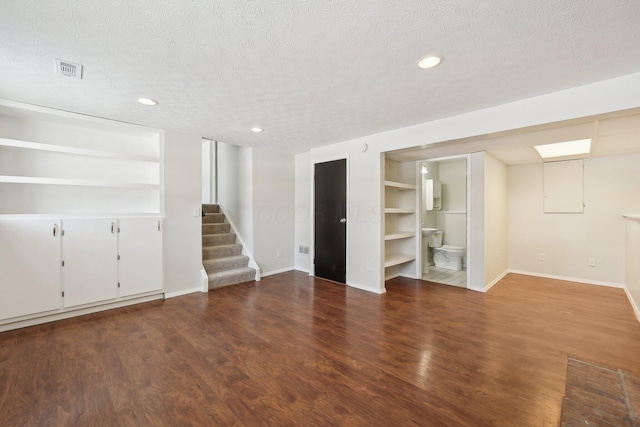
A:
(432, 195)
(90, 255)
(87, 174)
(564, 187)
(29, 267)
(140, 249)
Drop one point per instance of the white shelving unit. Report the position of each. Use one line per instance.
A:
(59, 163)
(400, 219)
(67, 182)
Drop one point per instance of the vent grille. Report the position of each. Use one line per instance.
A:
(68, 69)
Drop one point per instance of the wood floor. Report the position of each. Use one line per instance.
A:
(293, 350)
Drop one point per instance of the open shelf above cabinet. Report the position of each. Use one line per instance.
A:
(54, 162)
(74, 182)
(27, 145)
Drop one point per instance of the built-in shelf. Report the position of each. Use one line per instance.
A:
(74, 182)
(14, 143)
(400, 185)
(399, 211)
(54, 162)
(397, 259)
(399, 235)
(400, 215)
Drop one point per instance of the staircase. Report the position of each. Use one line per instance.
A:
(221, 256)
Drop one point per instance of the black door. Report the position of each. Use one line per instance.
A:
(330, 210)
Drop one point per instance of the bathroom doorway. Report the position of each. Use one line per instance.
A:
(444, 220)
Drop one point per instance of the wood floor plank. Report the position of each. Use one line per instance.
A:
(299, 351)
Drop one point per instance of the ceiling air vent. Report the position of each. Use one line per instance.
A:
(68, 69)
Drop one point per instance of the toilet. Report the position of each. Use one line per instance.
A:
(447, 256)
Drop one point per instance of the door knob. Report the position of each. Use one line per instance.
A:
(343, 220)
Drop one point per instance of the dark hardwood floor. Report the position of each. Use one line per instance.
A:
(292, 350)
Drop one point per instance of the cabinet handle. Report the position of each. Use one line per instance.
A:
(158, 225)
(55, 230)
(112, 227)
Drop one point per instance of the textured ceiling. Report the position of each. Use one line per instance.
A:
(611, 134)
(311, 72)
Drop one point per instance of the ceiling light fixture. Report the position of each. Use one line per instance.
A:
(562, 149)
(147, 101)
(257, 129)
(429, 61)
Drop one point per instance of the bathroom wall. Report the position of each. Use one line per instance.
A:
(452, 219)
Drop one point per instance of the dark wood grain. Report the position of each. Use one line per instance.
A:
(293, 350)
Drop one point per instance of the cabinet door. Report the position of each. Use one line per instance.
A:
(89, 251)
(140, 249)
(29, 267)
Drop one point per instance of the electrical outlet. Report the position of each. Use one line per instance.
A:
(368, 266)
(300, 249)
(592, 262)
(540, 257)
(305, 250)
(278, 253)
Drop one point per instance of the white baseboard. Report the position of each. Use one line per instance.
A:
(182, 292)
(496, 280)
(304, 270)
(569, 279)
(75, 313)
(636, 311)
(281, 270)
(204, 280)
(367, 288)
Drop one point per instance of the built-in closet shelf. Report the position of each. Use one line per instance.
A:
(397, 259)
(400, 185)
(399, 211)
(75, 182)
(399, 235)
(27, 145)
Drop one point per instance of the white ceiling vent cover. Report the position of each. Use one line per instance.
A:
(68, 69)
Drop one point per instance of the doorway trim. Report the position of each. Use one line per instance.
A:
(312, 252)
(468, 222)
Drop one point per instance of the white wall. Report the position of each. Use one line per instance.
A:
(568, 240)
(302, 219)
(228, 189)
(496, 219)
(243, 220)
(182, 230)
(273, 210)
(256, 191)
(632, 267)
(364, 236)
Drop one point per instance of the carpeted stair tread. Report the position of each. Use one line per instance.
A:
(218, 239)
(211, 208)
(218, 251)
(216, 228)
(231, 277)
(211, 218)
(226, 263)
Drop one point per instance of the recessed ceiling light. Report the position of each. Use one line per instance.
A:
(561, 149)
(147, 101)
(429, 61)
(257, 130)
